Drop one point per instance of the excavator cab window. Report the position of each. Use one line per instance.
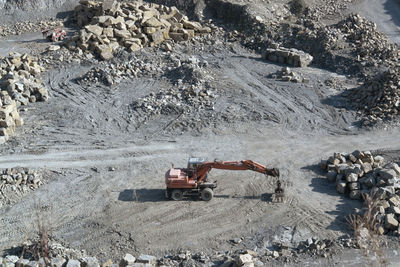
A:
(193, 164)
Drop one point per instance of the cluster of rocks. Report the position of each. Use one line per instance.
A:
(24, 27)
(355, 46)
(290, 56)
(367, 43)
(329, 8)
(9, 117)
(19, 77)
(191, 91)
(133, 67)
(315, 246)
(18, 181)
(20, 177)
(19, 86)
(286, 74)
(379, 98)
(131, 25)
(59, 255)
(221, 258)
(361, 173)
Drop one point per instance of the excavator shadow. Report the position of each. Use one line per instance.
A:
(158, 195)
(142, 195)
(267, 197)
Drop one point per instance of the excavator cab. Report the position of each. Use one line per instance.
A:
(193, 164)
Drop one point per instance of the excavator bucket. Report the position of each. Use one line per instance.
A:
(279, 192)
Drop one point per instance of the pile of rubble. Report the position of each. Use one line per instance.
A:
(379, 98)
(293, 57)
(131, 67)
(191, 91)
(130, 25)
(59, 255)
(361, 173)
(175, 100)
(367, 43)
(19, 86)
(186, 258)
(286, 74)
(18, 181)
(19, 77)
(9, 117)
(24, 27)
(315, 246)
(328, 9)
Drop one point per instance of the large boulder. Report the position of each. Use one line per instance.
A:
(95, 29)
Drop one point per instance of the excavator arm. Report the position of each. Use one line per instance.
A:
(234, 165)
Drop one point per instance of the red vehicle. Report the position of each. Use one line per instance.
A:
(54, 35)
(192, 180)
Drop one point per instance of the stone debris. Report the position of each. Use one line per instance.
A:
(9, 117)
(293, 57)
(61, 255)
(314, 246)
(179, 99)
(286, 74)
(19, 86)
(130, 25)
(26, 26)
(18, 181)
(379, 98)
(360, 173)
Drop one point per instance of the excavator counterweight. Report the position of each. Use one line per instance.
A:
(192, 180)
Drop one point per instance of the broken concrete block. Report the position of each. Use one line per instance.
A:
(387, 174)
(124, 34)
(354, 186)
(153, 22)
(352, 177)
(105, 51)
(191, 25)
(157, 37)
(244, 259)
(394, 167)
(341, 187)
(134, 47)
(127, 260)
(95, 29)
(178, 37)
(379, 160)
(391, 222)
(394, 201)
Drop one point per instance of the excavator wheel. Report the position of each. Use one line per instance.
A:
(207, 194)
(177, 194)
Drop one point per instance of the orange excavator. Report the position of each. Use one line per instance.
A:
(192, 181)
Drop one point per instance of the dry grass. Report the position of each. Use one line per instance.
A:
(41, 248)
(366, 228)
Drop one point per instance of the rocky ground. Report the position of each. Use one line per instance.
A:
(89, 125)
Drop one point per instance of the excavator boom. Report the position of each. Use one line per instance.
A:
(234, 165)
